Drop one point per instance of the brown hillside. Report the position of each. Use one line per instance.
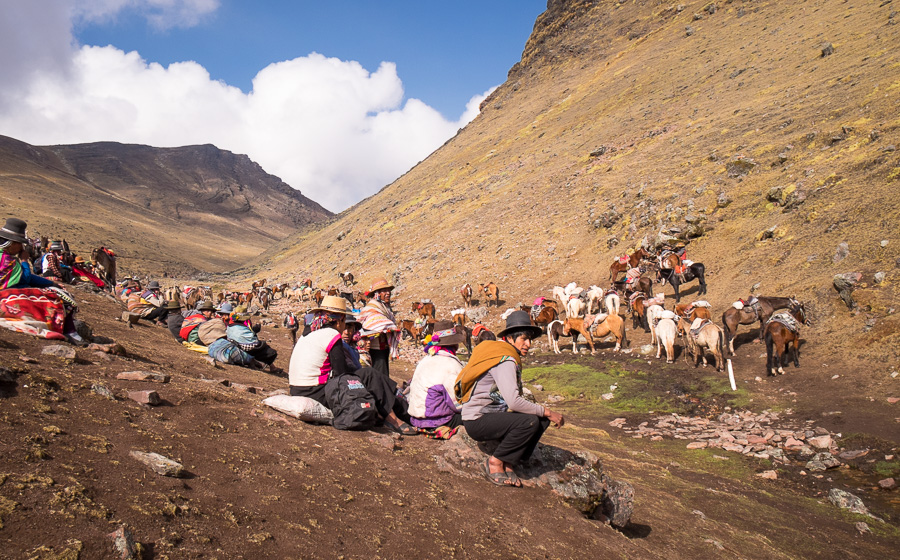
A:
(163, 209)
(724, 122)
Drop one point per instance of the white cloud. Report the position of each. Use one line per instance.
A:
(328, 127)
(161, 14)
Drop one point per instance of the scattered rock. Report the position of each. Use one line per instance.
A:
(841, 253)
(846, 500)
(862, 527)
(578, 478)
(607, 396)
(723, 200)
(697, 445)
(893, 400)
(887, 483)
(159, 464)
(150, 398)
(739, 166)
(821, 442)
(855, 454)
(28, 359)
(822, 462)
(769, 475)
(555, 398)
(879, 277)
(112, 348)
(845, 284)
(60, 351)
(538, 387)
(827, 49)
(143, 376)
(124, 545)
(387, 441)
(103, 391)
(647, 349)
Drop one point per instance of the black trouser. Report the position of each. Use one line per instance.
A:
(265, 354)
(158, 314)
(381, 360)
(316, 393)
(518, 433)
(384, 390)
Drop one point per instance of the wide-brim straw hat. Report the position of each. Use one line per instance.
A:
(14, 230)
(79, 260)
(334, 304)
(446, 334)
(520, 321)
(379, 284)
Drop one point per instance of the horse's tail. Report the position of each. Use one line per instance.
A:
(722, 344)
(770, 349)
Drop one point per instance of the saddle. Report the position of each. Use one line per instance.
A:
(536, 310)
(623, 259)
(636, 296)
(697, 326)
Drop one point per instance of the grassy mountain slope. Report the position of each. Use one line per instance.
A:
(162, 209)
(625, 120)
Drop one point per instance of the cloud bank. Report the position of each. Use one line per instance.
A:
(330, 128)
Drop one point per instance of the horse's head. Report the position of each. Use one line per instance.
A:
(799, 312)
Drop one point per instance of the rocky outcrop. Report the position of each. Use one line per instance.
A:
(576, 477)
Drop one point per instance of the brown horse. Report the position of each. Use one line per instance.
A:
(258, 284)
(318, 296)
(105, 265)
(761, 312)
(571, 327)
(264, 296)
(491, 293)
(425, 309)
(782, 336)
(547, 315)
(194, 296)
(279, 289)
(614, 325)
(638, 312)
(346, 278)
(459, 319)
(687, 312)
(466, 293)
(632, 261)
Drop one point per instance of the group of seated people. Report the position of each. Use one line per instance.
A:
(485, 395)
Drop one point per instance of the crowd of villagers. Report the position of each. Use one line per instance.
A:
(485, 395)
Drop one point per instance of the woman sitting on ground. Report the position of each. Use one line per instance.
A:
(490, 388)
(320, 355)
(246, 339)
(15, 274)
(432, 403)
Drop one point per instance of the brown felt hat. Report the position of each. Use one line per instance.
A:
(173, 305)
(379, 284)
(206, 305)
(446, 334)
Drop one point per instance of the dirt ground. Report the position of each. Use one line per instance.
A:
(260, 485)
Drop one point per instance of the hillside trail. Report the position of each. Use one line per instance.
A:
(261, 485)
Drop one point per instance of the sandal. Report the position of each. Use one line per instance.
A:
(514, 479)
(404, 429)
(497, 478)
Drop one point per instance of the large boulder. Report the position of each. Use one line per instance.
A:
(577, 478)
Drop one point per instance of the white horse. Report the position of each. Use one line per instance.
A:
(574, 308)
(654, 313)
(665, 336)
(709, 336)
(559, 294)
(612, 303)
(594, 294)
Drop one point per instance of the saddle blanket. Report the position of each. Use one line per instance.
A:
(635, 296)
(598, 318)
(787, 320)
(701, 303)
(623, 259)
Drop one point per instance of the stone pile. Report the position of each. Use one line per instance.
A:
(766, 435)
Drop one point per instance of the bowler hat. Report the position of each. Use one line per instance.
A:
(226, 307)
(153, 285)
(446, 334)
(173, 305)
(334, 304)
(206, 305)
(14, 230)
(56, 246)
(520, 321)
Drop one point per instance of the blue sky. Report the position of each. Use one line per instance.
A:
(337, 98)
(445, 52)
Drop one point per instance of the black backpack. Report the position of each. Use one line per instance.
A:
(351, 403)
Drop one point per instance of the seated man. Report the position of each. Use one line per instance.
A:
(174, 319)
(53, 264)
(148, 304)
(490, 388)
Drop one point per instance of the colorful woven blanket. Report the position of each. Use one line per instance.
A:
(35, 311)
